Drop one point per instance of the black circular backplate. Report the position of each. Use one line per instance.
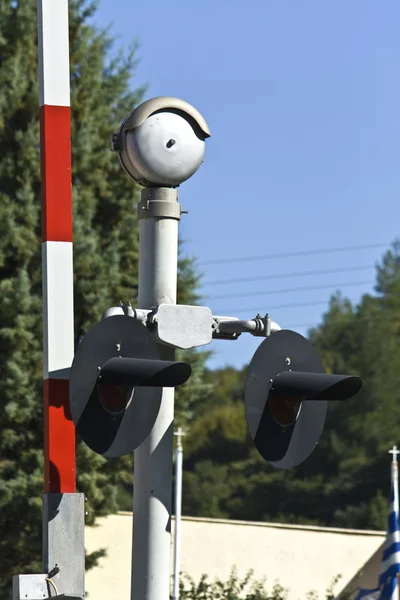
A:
(283, 445)
(110, 433)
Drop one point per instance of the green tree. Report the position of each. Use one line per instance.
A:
(105, 259)
(349, 469)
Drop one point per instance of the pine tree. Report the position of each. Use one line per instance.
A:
(105, 258)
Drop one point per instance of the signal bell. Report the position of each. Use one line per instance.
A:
(116, 383)
(286, 398)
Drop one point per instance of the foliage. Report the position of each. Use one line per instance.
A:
(232, 589)
(246, 588)
(225, 477)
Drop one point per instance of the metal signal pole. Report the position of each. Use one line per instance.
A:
(159, 213)
(178, 511)
(395, 477)
(160, 144)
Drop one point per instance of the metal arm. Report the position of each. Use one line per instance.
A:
(231, 327)
(191, 326)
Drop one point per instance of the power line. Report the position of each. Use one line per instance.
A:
(383, 316)
(277, 307)
(290, 290)
(387, 315)
(221, 261)
(288, 275)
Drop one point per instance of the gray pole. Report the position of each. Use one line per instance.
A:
(159, 214)
(395, 477)
(178, 512)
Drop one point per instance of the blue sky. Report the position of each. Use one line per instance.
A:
(303, 101)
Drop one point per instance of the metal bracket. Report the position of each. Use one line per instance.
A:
(230, 328)
(175, 325)
(64, 542)
(182, 326)
(38, 587)
(225, 332)
(158, 208)
(186, 327)
(115, 142)
(126, 309)
(159, 202)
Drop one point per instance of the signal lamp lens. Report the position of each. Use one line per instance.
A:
(115, 398)
(284, 409)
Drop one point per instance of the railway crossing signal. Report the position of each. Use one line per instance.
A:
(119, 395)
(122, 378)
(160, 145)
(287, 392)
(116, 383)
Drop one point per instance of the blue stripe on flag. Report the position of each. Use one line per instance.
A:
(393, 523)
(390, 573)
(392, 549)
(388, 589)
(388, 578)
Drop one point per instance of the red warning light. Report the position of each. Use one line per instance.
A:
(284, 409)
(114, 398)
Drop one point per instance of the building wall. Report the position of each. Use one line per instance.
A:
(302, 558)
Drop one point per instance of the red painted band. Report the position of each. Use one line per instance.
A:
(55, 173)
(59, 438)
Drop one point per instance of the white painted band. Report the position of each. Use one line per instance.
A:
(53, 40)
(58, 308)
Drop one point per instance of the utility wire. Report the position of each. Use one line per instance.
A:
(290, 290)
(288, 275)
(385, 316)
(276, 307)
(236, 259)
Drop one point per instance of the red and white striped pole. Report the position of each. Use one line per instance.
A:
(63, 509)
(58, 319)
